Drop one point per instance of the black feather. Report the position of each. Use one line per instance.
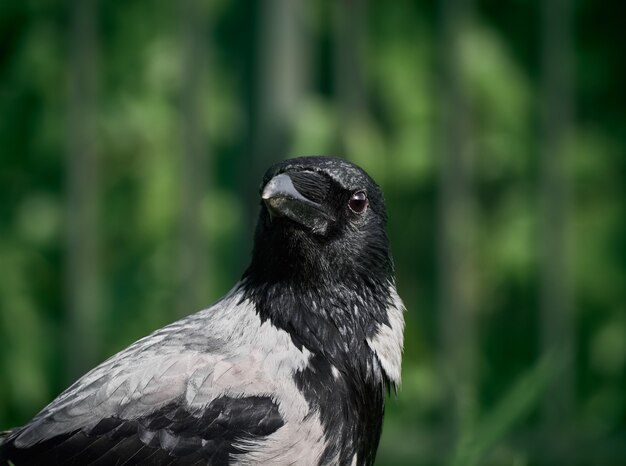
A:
(313, 186)
(169, 434)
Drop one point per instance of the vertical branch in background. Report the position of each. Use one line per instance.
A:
(456, 223)
(282, 58)
(556, 120)
(82, 280)
(358, 136)
(349, 74)
(193, 250)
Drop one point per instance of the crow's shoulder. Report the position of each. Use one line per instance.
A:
(202, 387)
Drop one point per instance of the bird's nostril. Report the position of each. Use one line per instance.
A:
(314, 186)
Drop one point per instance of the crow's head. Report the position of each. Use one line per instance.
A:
(320, 217)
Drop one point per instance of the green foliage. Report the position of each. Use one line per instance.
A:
(475, 443)
(392, 125)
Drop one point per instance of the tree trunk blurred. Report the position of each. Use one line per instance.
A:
(193, 247)
(282, 66)
(457, 272)
(350, 22)
(82, 277)
(556, 121)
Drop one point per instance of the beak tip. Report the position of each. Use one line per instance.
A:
(266, 194)
(274, 187)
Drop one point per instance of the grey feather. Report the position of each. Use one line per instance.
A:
(241, 357)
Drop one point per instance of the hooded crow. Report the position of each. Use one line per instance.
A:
(291, 367)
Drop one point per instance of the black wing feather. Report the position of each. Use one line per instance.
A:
(173, 434)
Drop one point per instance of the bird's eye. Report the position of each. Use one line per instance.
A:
(358, 202)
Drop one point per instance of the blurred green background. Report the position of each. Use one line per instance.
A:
(133, 137)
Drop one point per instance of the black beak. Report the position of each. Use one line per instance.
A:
(283, 200)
